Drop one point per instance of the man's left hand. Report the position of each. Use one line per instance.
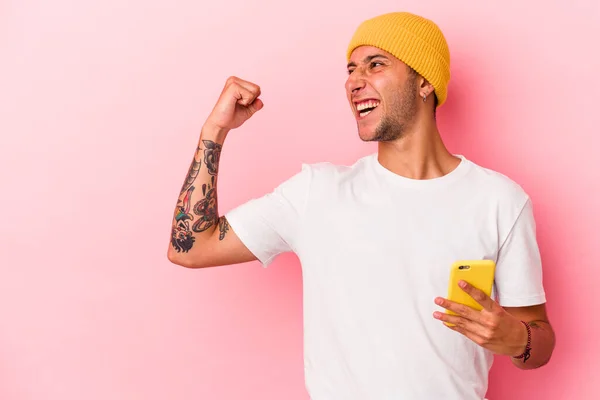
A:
(492, 328)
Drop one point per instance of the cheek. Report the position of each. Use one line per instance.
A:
(381, 85)
(390, 99)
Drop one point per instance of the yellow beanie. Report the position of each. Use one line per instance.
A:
(416, 41)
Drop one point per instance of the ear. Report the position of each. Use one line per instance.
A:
(425, 88)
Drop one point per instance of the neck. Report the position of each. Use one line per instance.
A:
(419, 154)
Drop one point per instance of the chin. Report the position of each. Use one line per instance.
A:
(366, 136)
(367, 133)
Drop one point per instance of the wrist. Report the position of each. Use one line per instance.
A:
(524, 340)
(214, 133)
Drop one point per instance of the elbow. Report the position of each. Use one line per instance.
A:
(183, 260)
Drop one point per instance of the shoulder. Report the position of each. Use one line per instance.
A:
(498, 186)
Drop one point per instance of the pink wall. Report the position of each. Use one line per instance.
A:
(100, 106)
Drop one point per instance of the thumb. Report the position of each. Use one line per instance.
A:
(256, 105)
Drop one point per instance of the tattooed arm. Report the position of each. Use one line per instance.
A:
(199, 236)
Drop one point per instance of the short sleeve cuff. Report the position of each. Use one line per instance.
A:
(237, 223)
(523, 301)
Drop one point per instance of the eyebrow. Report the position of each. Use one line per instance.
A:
(367, 59)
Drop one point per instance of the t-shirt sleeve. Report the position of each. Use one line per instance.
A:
(269, 225)
(519, 267)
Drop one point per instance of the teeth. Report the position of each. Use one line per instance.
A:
(365, 113)
(367, 104)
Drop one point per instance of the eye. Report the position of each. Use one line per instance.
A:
(376, 64)
(350, 70)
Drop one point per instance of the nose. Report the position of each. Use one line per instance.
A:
(355, 82)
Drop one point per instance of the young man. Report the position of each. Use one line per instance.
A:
(376, 239)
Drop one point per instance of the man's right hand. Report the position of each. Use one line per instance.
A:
(237, 103)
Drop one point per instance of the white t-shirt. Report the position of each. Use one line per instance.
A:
(375, 250)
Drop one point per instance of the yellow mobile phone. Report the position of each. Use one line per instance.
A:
(479, 273)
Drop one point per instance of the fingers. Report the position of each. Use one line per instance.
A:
(471, 329)
(479, 296)
(255, 106)
(252, 87)
(459, 309)
(243, 91)
(471, 335)
(244, 96)
(455, 320)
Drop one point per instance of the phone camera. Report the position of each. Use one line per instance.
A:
(463, 267)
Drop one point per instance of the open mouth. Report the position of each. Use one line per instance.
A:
(364, 108)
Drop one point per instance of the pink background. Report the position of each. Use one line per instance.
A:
(101, 103)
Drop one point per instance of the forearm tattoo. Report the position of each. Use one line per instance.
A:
(223, 228)
(212, 153)
(192, 173)
(181, 237)
(205, 211)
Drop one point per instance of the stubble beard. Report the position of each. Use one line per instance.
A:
(403, 107)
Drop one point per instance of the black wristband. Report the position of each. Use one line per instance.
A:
(527, 353)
